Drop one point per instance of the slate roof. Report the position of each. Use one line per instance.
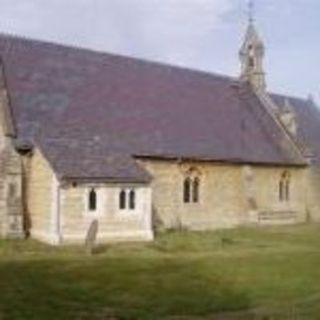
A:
(92, 162)
(308, 119)
(131, 108)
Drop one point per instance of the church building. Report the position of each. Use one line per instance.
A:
(140, 146)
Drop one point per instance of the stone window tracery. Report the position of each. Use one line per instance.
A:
(127, 199)
(191, 189)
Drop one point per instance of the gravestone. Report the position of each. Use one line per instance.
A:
(91, 237)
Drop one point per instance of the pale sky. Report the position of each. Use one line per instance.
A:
(200, 34)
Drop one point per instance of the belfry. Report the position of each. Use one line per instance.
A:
(251, 56)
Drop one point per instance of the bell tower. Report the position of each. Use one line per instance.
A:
(251, 55)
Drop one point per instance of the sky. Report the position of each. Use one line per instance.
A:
(198, 34)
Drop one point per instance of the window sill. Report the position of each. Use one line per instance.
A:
(92, 214)
(128, 212)
(192, 203)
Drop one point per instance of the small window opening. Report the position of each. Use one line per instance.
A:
(287, 190)
(132, 200)
(187, 190)
(191, 190)
(122, 200)
(92, 200)
(195, 194)
(284, 187)
(281, 197)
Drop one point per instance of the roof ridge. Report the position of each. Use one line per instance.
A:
(47, 45)
(283, 95)
(20, 37)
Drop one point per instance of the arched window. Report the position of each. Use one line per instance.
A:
(187, 190)
(195, 191)
(191, 190)
(122, 199)
(287, 189)
(132, 200)
(281, 197)
(284, 187)
(92, 200)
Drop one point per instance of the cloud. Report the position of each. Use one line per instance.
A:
(203, 34)
(137, 26)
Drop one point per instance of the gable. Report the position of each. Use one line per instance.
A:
(308, 122)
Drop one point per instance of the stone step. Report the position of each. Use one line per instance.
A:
(281, 215)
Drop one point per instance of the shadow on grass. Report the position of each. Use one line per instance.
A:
(122, 288)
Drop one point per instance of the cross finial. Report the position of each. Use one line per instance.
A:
(251, 11)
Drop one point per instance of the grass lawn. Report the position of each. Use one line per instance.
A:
(264, 274)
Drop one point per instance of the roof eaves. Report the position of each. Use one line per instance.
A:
(113, 180)
(231, 161)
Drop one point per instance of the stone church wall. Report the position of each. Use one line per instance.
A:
(313, 198)
(113, 224)
(266, 185)
(215, 208)
(39, 196)
(59, 213)
(11, 214)
(230, 196)
(227, 199)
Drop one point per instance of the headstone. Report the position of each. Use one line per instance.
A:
(91, 236)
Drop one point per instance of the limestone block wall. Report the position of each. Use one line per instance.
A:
(228, 197)
(222, 201)
(114, 224)
(266, 192)
(313, 188)
(11, 192)
(39, 196)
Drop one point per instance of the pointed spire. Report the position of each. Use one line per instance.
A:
(251, 12)
(252, 54)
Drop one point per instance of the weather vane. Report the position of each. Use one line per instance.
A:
(251, 11)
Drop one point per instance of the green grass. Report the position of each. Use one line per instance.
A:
(269, 273)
